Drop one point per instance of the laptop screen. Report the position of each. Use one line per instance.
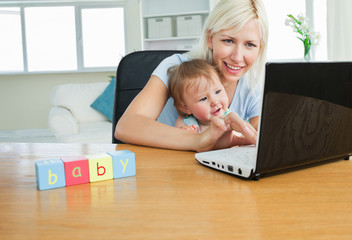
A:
(306, 115)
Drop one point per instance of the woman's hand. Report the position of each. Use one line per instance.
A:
(208, 139)
(228, 132)
(248, 134)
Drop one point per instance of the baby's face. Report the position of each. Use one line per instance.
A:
(206, 100)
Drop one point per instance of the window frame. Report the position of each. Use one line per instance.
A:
(78, 7)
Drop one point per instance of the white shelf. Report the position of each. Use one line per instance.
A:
(177, 14)
(171, 39)
(171, 9)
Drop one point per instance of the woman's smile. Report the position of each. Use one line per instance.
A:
(233, 69)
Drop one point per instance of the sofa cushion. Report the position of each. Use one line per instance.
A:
(62, 122)
(104, 103)
(78, 98)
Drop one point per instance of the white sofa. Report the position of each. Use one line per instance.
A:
(72, 119)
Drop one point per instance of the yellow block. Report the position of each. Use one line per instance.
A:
(100, 167)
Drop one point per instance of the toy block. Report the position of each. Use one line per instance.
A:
(124, 163)
(76, 170)
(100, 167)
(50, 174)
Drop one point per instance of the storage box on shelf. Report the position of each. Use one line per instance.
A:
(190, 25)
(159, 27)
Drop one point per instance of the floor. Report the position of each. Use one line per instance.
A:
(27, 135)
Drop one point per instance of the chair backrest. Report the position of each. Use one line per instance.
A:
(132, 74)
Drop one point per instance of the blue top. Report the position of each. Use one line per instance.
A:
(246, 104)
(192, 121)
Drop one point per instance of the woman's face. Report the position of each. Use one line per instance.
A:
(235, 53)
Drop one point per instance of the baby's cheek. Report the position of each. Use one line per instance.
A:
(204, 116)
(202, 113)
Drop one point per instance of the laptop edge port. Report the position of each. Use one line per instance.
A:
(230, 168)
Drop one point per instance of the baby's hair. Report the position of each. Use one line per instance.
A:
(182, 77)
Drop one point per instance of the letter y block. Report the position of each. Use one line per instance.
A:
(50, 174)
(124, 163)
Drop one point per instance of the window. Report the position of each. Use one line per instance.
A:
(102, 46)
(10, 40)
(65, 37)
(283, 43)
(50, 38)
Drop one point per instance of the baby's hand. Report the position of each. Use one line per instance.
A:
(193, 128)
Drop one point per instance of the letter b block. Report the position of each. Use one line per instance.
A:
(124, 163)
(76, 170)
(100, 167)
(50, 174)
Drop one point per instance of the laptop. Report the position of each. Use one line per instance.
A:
(306, 120)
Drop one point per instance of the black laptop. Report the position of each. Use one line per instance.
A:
(306, 120)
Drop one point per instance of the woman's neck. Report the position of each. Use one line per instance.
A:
(230, 89)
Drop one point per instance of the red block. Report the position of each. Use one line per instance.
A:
(76, 170)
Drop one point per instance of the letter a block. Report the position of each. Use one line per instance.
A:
(124, 163)
(50, 174)
(76, 170)
(100, 167)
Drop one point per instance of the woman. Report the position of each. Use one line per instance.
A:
(234, 40)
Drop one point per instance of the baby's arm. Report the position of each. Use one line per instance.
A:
(181, 124)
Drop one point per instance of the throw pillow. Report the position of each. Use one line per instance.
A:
(104, 103)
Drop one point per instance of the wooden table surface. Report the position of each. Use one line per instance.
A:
(171, 197)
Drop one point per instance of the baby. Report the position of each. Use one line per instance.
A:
(198, 94)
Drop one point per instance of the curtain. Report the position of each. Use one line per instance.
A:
(339, 28)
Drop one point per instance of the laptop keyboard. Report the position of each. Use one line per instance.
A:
(245, 156)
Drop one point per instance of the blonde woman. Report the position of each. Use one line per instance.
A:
(234, 40)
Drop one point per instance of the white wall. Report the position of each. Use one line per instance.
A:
(133, 26)
(24, 99)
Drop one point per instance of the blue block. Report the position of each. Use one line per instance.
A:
(124, 164)
(50, 174)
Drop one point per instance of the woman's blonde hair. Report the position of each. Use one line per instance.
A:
(234, 14)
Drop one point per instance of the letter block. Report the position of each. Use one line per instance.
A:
(100, 167)
(76, 170)
(123, 163)
(50, 174)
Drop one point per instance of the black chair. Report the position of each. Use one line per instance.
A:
(132, 74)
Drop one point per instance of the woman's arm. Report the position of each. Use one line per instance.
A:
(138, 124)
(254, 121)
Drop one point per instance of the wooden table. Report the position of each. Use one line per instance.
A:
(171, 197)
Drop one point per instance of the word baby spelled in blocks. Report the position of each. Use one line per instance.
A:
(67, 171)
